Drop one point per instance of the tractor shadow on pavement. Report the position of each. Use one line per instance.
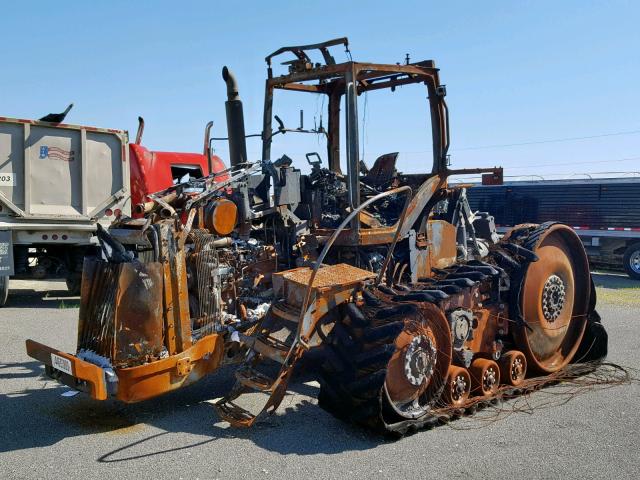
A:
(20, 370)
(300, 426)
(41, 417)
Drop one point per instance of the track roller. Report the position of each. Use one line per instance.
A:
(485, 377)
(513, 368)
(458, 387)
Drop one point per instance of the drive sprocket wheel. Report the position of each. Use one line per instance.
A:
(385, 363)
(553, 299)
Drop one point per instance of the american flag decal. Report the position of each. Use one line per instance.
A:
(56, 153)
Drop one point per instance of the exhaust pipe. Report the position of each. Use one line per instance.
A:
(140, 130)
(207, 146)
(235, 120)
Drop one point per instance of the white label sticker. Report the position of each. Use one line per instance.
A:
(61, 363)
(7, 180)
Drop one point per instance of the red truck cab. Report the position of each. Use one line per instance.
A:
(155, 171)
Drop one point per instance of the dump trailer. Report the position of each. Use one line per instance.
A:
(402, 299)
(58, 180)
(604, 212)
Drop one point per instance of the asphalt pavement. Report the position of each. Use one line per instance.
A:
(45, 435)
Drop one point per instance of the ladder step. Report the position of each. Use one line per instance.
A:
(271, 349)
(286, 312)
(234, 414)
(253, 379)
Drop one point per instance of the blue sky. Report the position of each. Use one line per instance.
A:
(515, 72)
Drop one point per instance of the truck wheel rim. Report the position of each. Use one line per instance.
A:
(634, 261)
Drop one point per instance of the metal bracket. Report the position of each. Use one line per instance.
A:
(184, 366)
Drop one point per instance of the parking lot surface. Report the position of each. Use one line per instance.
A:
(46, 435)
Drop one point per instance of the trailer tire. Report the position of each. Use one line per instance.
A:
(631, 260)
(4, 290)
(74, 282)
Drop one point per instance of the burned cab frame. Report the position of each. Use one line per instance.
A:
(349, 80)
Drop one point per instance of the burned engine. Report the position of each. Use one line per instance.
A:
(227, 280)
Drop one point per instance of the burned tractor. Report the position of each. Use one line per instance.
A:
(403, 300)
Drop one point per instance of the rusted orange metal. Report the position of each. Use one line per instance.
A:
(140, 382)
(152, 379)
(138, 313)
(221, 217)
(181, 301)
(555, 300)
(421, 358)
(84, 376)
(437, 249)
(513, 368)
(457, 386)
(485, 377)
(292, 284)
(176, 301)
(121, 310)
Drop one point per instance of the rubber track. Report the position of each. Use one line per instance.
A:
(353, 373)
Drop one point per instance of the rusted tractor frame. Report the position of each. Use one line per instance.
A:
(351, 79)
(246, 266)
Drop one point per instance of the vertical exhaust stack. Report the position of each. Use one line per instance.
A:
(207, 146)
(140, 130)
(235, 120)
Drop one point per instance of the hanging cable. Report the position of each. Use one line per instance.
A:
(348, 52)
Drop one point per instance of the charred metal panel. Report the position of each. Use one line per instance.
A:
(138, 314)
(155, 378)
(176, 297)
(441, 237)
(292, 284)
(121, 311)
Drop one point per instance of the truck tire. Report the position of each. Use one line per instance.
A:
(631, 260)
(4, 290)
(74, 282)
